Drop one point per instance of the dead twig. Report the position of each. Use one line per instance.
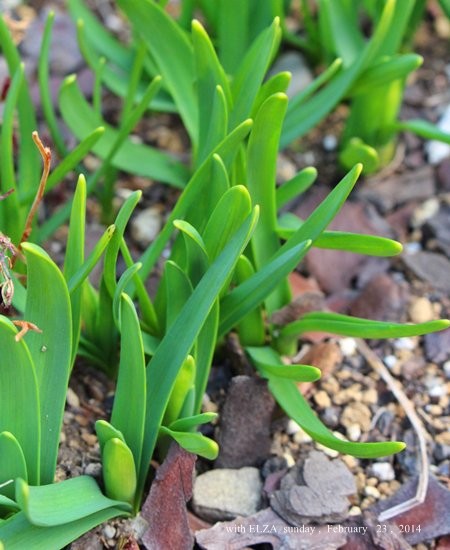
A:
(416, 423)
(46, 155)
(25, 326)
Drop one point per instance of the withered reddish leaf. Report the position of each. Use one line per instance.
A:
(165, 506)
(432, 517)
(267, 527)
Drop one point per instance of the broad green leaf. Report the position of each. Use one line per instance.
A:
(74, 257)
(18, 533)
(179, 339)
(29, 160)
(371, 245)
(357, 327)
(121, 288)
(302, 117)
(423, 129)
(183, 383)
(132, 157)
(384, 72)
(81, 275)
(250, 294)
(194, 443)
(171, 49)
(210, 78)
(190, 422)
(72, 159)
(7, 506)
(195, 251)
(269, 364)
(19, 401)
(358, 151)
(229, 214)
(204, 352)
(233, 27)
(119, 471)
(48, 307)
(251, 329)
(317, 222)
(64, 502)
(12, 463)
(262, 153)
(277, 84)
(296, 186)
(177, 290)
(11, 216)
(296, 407)
(106, 431)
(112, 252)
(339, 25)
(218, 183)
(128, 414)
(226, 151)
(251, 72)
(44, 86)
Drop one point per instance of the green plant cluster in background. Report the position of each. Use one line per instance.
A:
(231, 245)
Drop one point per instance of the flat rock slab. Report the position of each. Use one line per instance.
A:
(430, 267)
(315, 492)
(244, 436)
(223, 494)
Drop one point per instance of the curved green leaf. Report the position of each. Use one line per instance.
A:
(64, 502)
(12, 463)
(128, 415)
(19, 401)
(48, 307)
(296, 407)
(269, 364)
(194, 443)
(358, 327)
(131, 157)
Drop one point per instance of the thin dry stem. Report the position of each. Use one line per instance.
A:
(25, 326)
(46, 155)
(416, 423)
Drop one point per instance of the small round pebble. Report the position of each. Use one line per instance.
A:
(109, 531)
(371, 491)
(382, 471)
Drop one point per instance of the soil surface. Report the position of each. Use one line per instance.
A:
(410, 201)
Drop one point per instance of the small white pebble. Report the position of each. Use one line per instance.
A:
(301, 437)
(354, 432)
(109, 531)
(370, 491)
(348, 346)
(290, 462)
(412, 248)
(390, 361)
(72, 399)
(354, 511)
(329, 452)
(329, 142)
(447, 369)
(405, 343)
(383, 471)
(292, 427)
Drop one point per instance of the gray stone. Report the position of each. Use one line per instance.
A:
(223, 494)
(431, 267)
(245, 443)
(295, 63)
(146, 225)
(317, 492)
